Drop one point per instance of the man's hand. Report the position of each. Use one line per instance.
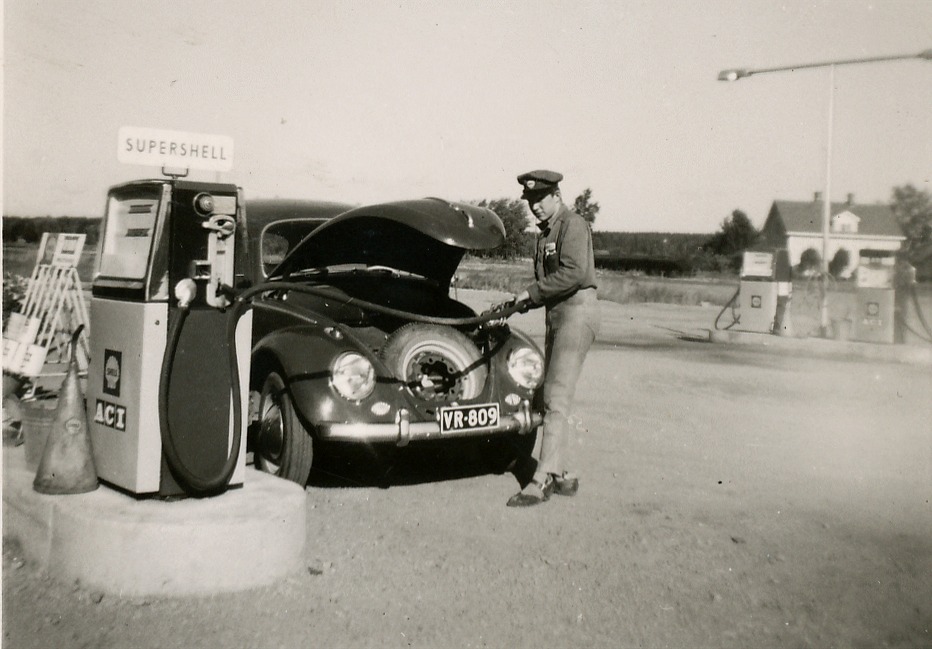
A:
(523, 304)
(495, 309)
(501, 306)
(523, 299)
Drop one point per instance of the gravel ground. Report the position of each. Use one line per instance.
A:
(730, 497)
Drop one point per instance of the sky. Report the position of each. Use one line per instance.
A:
(373, 101)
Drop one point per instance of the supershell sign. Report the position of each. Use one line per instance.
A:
(177, 149)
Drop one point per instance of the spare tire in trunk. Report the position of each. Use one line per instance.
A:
(438, 364)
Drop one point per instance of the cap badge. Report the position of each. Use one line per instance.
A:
(530, 184)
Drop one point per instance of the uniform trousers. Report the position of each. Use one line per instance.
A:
(572, 325)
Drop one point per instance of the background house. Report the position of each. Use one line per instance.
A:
(797, 225)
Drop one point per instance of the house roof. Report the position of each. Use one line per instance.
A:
(806, 216)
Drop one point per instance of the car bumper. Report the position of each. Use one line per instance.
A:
(403, 430)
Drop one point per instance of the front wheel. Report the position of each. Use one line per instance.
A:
(281, 446)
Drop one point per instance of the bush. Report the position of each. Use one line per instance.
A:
(514, 216)
(839, 262)
(809, 261)
(14, 294)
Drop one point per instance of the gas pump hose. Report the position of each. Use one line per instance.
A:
(914, 296)
(729, 303)
(190, 481)
(200, 485)
(497, 314)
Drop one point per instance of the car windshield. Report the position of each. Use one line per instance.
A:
(279, 238)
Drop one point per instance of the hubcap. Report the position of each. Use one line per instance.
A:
(271, 438)
(433, 377)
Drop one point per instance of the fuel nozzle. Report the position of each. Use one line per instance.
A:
(223, 224)
(185, 292)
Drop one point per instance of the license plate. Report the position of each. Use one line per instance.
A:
(468, 418)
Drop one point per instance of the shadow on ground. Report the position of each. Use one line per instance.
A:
(385, 465)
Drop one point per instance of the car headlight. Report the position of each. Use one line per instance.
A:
(526, 367)
(353, 376)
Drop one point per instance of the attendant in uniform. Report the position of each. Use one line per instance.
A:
(565, 286)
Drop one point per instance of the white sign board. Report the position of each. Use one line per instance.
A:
(757, 264)
(178, 149)
(60, 249)
(876, 273)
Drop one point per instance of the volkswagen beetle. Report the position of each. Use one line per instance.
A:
(359, 340)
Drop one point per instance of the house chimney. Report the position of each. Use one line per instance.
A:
(817, 198)
(850, 199)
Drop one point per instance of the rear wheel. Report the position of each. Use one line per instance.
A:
(281, 445)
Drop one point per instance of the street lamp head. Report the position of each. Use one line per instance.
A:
(733, 75)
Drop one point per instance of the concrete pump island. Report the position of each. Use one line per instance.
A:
(161, 419)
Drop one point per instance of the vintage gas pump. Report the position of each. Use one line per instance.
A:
(167, 408)
(765, 285)
(875, 296)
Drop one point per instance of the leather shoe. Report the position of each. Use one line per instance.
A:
(534, 493)
(565, 485)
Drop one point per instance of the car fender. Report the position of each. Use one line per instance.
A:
(516, 338)
(299, 351)
(526, 339)
(304, 354)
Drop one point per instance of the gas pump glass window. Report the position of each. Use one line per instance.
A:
(130, 227)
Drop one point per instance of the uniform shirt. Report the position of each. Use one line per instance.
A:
(563, 261)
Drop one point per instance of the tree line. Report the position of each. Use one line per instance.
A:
(721, 251)
(648, 252)
(29, 229)
(651, 252)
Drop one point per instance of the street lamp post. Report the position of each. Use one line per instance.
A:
(735, 74)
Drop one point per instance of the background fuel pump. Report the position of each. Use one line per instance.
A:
(765, 291)
(875, 296)
(167, 408)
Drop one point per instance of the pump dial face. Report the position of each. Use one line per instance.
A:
(204, 203)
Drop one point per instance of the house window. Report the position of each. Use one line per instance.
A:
(846, 222)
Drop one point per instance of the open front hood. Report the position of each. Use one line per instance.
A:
(427, 237)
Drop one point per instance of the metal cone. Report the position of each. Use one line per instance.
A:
(67, 465)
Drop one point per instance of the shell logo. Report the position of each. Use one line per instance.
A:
(112, 372)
